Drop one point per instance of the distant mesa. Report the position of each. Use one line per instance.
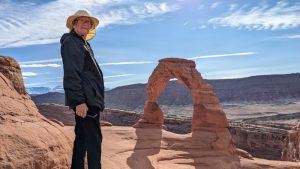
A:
(255, 89)
(37, 90)
(43, 90)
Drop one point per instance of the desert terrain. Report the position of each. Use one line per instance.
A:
(41, 135)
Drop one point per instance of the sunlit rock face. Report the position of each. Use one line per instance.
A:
(27, 139)
(291, 150)
(207, 111)
(210, 134)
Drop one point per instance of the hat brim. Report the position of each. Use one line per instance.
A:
(92, 31)
(71, 18)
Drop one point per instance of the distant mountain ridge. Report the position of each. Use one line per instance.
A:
(37, 90)
(44, 90)
(264, 88)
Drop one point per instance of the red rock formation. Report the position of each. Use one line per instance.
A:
(291, 151)
(27, 139)
(207, 111)
(210, 134)
(11, 70)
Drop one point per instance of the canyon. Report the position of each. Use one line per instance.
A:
(40, 135)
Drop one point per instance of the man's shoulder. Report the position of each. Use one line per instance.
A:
(67, 37)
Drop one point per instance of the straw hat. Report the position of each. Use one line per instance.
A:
(84, 13)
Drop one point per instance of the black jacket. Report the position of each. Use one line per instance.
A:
(83, 78)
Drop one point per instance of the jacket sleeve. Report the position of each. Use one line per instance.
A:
(73, 61)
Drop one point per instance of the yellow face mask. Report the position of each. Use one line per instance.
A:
(91, 34)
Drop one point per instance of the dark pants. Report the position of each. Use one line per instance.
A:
(88, 139)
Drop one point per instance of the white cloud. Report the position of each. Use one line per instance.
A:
(23, 24)
(42, 61)
(223, 55)
(34, 84)
(186, 23)
(54, 81)
(122, 75)
(126, 63)
(279, 16)
(39, 65)
(215, 5)
(233, 7)
(288, 37)
(29, 74)
(198, 27)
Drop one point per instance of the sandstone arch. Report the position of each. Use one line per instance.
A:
(207, 111)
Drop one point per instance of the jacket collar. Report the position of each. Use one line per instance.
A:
(75, 34)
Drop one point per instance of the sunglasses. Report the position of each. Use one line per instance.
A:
(92, 115)
(83, 21)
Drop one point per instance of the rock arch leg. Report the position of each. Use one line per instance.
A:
(153, 115)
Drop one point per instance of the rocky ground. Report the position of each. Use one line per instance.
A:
(262, 136)
(161, 149)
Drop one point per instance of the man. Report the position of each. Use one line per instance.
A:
(84, 88)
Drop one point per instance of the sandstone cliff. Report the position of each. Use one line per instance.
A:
(291, 150)
(27, 139)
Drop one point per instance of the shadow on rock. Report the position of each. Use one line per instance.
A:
(148, 144)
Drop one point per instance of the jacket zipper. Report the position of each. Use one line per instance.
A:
(86, 46)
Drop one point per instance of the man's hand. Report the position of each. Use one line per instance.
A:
(81, 110)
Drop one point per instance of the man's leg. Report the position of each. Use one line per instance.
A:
(93, 139)
(79, 148)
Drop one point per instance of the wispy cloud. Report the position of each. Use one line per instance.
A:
(126, 63)
(29, 74)
(54, 81)
(233, 7)
(122, 75)
(23, 24)
(34, 84)
(42, 61)
(287, 37)
(223, 55)
(282, 15)
(39, 65)
(215, 5)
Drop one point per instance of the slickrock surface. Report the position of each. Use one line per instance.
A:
(27, 139)
(139, 148)
(206, 108)
(291, 150)
(152, 148)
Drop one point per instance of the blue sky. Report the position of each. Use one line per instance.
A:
(226, 39)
